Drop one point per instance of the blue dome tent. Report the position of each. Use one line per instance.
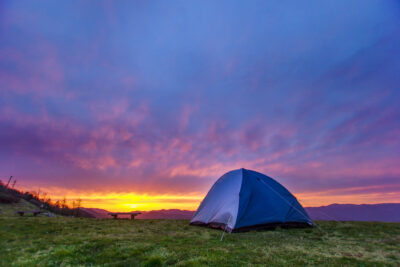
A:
(244, 199)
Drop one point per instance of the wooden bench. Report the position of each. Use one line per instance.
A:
(34, 212)
(132, 214)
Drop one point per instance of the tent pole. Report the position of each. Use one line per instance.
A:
(226, 225)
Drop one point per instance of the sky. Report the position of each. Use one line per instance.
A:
(141, 105)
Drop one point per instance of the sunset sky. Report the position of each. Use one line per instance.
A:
(141, 105)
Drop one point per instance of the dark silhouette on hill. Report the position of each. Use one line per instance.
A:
(42, 201)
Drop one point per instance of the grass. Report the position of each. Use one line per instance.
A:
(63, 241)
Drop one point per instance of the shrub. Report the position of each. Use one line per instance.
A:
(153, 262)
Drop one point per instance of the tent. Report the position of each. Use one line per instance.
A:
(244, 199)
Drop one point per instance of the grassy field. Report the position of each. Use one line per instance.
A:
(43, 241)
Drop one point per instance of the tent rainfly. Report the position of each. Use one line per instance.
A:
(244, 199)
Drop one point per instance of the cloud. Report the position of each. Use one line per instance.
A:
(164, 104)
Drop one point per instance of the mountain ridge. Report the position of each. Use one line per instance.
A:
(382, 212)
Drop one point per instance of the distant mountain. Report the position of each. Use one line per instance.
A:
(167, 214)
(388, 212)
(153, 214)
(95, 213)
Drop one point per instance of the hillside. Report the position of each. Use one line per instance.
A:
(65, 241)
(10, 209)
(14, 199)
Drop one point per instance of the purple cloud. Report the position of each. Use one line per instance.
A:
(165, 99)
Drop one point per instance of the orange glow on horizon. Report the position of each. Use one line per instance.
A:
(125, 202)
(131, 202)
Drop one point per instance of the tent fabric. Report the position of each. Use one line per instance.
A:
(242, 199)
